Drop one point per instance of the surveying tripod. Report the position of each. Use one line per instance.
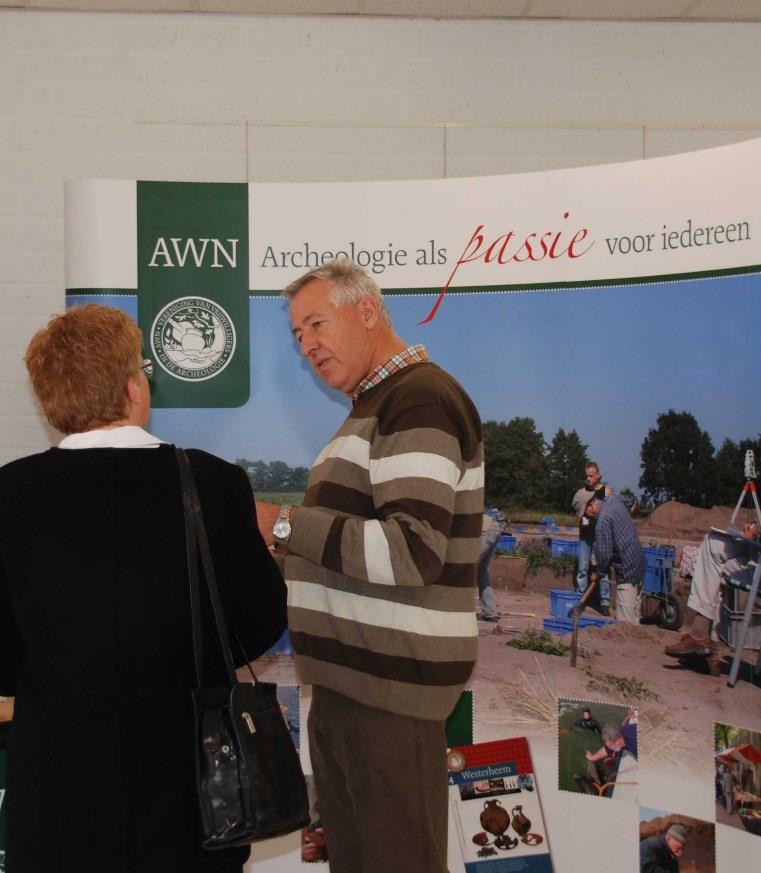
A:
(749, 488)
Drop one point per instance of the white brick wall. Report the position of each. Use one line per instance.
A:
(231, 98)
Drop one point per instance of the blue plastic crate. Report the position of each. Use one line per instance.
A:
(560, 547)
(562, 601)
(565, 625)
(655, 555)
(507, 543)
(659, 561)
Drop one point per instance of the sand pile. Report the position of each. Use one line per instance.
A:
(682, 521)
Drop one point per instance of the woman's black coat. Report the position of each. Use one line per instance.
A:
(95, 645)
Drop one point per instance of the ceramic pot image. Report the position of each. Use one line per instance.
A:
(494, 818)
(521, 824)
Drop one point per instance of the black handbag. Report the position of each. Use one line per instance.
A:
(249, 778)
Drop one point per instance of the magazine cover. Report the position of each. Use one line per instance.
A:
(495, 811)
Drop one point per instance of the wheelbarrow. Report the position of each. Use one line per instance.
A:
(667, 611)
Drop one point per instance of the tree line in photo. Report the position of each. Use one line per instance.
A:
(274, 476)
(677, 457)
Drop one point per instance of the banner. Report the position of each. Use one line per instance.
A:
(597, 301)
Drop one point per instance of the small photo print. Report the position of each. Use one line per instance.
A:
(459, 725)
(489, 788)
(313, 846)
(288, 696)
(597, 749)
(737, 782)
(669, 841)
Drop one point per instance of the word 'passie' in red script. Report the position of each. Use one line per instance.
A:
(508, 248)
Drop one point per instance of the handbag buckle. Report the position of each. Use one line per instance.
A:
(249, 722)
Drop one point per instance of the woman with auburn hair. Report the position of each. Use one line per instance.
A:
(95, 628)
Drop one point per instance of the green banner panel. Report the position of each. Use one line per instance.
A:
(193, 291)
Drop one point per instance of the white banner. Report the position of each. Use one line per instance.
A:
(659, 261)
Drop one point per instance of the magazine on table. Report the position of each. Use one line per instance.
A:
(495, 810)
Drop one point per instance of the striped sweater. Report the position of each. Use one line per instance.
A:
(383, 555)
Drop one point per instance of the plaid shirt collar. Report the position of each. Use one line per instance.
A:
(411, 355)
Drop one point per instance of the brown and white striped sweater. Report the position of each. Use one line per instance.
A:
(383, 555)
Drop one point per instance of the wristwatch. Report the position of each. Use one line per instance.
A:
(282, 529)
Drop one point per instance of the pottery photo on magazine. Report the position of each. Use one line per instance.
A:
(495, 809)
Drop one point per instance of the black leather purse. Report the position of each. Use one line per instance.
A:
(249, 778)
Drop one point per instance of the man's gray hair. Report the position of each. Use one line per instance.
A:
(348, 284)
(610, 732)
(678, 832)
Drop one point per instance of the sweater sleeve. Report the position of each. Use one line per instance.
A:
(417, 474)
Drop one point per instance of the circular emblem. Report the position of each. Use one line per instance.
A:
(193, 339)
(455, 761)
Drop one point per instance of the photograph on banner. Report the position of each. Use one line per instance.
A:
(597, 749)
(673, 843)
(738, 777)
(314, 847)
(289, 698)
(459, 724)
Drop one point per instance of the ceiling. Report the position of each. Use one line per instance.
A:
(619, 10)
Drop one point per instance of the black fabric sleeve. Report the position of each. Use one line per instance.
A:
(250, 581)
(11, 647)
(259, 598)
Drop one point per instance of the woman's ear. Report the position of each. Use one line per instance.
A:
(133, 391)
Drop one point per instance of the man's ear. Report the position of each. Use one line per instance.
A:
(370, 311)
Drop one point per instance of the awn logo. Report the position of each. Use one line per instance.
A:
(193, 339)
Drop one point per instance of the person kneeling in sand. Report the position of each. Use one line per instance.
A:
(720, 557)
(602, 765)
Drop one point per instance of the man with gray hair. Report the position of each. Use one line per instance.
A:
(602, 765)
(381, 563)
(660, 853)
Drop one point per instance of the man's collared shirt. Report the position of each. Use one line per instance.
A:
(411, 355)
(617, 540)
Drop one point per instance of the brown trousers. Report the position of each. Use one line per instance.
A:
(381, 783)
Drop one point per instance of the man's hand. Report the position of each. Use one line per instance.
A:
(750, 530)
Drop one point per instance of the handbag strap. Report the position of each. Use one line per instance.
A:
(196, 540)
(191, 554)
